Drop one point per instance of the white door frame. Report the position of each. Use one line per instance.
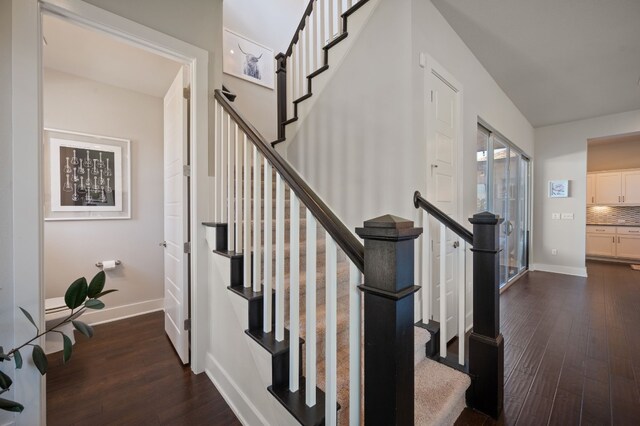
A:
(27, 127)
(433, 67)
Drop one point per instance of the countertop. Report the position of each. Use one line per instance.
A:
(614, 224)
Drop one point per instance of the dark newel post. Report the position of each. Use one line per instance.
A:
(281, 73)
(486, 345)
(388, 320)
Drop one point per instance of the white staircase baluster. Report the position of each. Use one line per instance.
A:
(350, 3)
(293, 69)
(257, 217)
(315, 55)
(302, 78)
(231, 220)
(224, 146)
(238, 190)
(310, 335)
(339, 17)
(462, 294)
(443, 290)
(331, 300)
(246, 195)
(330, 19)
(294, 292)
(308, 52)
(216, 165)
(268, 247)
(323, 25)
(355, 279)
(279, 258)
(426, 268)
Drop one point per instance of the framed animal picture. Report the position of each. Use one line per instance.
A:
(248, 60)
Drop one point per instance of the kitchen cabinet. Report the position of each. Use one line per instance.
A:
(619, 187)
(601, 241)
(591, 189)
(621, 242)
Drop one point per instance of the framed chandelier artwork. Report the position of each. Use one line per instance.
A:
(86, 176)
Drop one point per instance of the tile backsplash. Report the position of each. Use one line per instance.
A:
(613, 215)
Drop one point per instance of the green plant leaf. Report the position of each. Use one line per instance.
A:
(68, 348)
(40, 359)
(83, 328)
(76, 293)
(29, 317)
(99, 295)
(8, 405)
(97, 284)
(5, 381)
(17, 357)
(94, 304)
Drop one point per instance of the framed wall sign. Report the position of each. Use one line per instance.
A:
(86, 176)
(558, 188)
(247, 59)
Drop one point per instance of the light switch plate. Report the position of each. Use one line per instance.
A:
(555, 216)
(567, 216)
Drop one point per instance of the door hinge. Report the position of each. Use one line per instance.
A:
(186, 93)
(186, 170)
(187, 324)
(187, 247)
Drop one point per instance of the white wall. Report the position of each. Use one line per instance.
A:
(272, 24)
(561, 153)
(362, 147)
(6, 231)
(73, 247)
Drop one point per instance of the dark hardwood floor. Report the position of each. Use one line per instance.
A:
(572, 349)
(129, 374)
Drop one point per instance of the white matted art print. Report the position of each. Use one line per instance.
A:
(87, 176)
(558, 188)
(247, 59)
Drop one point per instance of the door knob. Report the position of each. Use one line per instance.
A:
(456, 244)
(163, 244)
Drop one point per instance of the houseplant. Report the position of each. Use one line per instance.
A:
(79, 297)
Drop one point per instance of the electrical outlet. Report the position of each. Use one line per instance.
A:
(555, 216)
(567, 216)
(554, 252)
(621, 221)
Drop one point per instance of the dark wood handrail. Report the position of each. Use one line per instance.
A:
(348, 242)
(442, 217)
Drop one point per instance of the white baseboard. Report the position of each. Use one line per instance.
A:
(559, 269)
(241, 406)
(121, 312)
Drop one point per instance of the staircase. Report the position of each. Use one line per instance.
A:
(300, 269)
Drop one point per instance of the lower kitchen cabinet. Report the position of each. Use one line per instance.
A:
(615, 242)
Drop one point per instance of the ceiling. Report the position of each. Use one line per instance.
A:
(97, 56)
(557, 60)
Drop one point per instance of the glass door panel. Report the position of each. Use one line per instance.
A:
(511, 221)
(500, 198)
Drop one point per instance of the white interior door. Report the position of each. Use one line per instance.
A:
(442, 152)
(176, 234)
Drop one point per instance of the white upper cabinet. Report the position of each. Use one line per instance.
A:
(591, 188)
(631, 187)
(621, 187)
(609, 188)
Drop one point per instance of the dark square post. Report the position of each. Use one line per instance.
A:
(486, 345)
(388, 320)
(281, 77)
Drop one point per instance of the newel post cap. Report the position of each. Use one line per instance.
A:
(388, 228)
(486, 218)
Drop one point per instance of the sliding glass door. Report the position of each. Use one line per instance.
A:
(503, 189)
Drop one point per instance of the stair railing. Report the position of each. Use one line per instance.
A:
(486, 345)
(242, 158)
(322, 25)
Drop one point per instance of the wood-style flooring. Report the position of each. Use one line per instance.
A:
(129, 374)
(572, 349)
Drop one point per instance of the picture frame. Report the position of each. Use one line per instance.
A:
(558, 188)
(86, 176)
(248, 60)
